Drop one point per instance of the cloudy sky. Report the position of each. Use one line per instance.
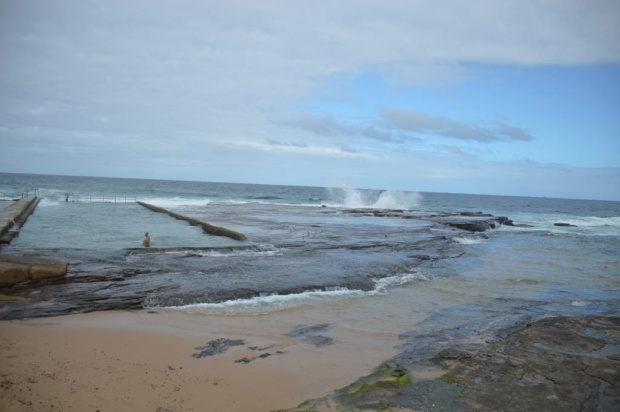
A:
(492, 97)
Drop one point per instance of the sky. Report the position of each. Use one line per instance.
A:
(503, 97)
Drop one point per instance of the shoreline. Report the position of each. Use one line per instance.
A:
(477, 356)
(146, 361)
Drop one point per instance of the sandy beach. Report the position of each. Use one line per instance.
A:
(140, 361)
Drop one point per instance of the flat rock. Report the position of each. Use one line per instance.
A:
(16, 270)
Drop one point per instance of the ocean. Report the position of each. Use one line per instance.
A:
(374, 261)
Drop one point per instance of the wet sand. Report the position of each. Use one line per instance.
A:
(143, 361)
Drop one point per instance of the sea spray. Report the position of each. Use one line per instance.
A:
(351, 198)
(394, 199)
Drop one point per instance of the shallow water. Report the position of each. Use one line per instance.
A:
(110, 226)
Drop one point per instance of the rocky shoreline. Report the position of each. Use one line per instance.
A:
(352, 257)
(535, 357)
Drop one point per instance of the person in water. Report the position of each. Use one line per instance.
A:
(67, 197)
(147, 240)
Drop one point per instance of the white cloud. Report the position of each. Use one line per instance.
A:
(276, 147)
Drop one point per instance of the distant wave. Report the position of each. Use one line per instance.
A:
(265, 197)
(272, 302)
(594, 221)
(171, 202)
(582, 225)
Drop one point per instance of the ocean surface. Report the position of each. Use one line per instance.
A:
(366, 254)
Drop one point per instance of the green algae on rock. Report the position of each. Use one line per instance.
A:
(557, 363)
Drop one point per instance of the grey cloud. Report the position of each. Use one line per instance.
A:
(453, 149)
(273, 142)
(328, 126)
(410, 121)
(512, 132)
(348, 149)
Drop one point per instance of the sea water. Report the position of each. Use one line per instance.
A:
(307, 252)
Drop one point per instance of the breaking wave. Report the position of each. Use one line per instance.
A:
(582, 225)
(272, 302)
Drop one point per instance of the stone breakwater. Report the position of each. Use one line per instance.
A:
(208, 228)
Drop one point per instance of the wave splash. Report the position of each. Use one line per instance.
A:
(351, 198)
(468, 240)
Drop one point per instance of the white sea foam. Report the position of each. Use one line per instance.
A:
(392, 281)
(272, 302)
(211, 253)
(228, 253)
(467, 240)
(46, 202)
(172, 202)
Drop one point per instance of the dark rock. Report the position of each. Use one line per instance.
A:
(216, 347)
(475, 214)
(563, 224)
(261, 349)
(319, 340)
(472, 226)
(303, 330)
(503, 220)
(308, 333)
